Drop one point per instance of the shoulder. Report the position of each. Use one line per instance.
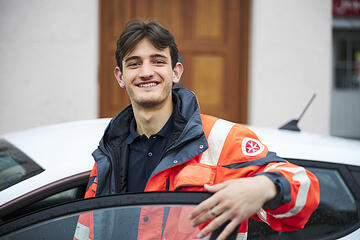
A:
(220, 126)
(231, 142)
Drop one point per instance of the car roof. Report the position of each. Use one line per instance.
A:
(309, 146)
(62, 150)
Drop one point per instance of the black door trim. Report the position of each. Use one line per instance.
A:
(90, 204)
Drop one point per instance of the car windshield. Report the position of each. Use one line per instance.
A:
(15, 166)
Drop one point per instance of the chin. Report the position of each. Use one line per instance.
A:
(150, 103)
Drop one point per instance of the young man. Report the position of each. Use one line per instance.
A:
(161, 142)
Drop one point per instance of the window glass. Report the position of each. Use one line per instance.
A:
(341, 77)
(155, 222)
(15, 166)
(356, 175)
(61, 197)
(341, 50)
(336, 213)
(347, 60)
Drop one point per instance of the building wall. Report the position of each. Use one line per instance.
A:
(48, 62)
(49, 58)
(290, 61)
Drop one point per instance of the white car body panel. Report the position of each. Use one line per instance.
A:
(75, 141)
(307, 146)
(68, 145)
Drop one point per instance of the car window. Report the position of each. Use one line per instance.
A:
(15, 166)
(161, 215)
(60, 191)
(336, 215)
(356, 175)
(58, 198)
(117, 223)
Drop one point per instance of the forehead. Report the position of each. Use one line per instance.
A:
(145, 48)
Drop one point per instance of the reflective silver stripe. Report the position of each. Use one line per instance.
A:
(262, 215)
(82, 232)
(273, 166)
(301, 176)
(216, 141)
(241, 236)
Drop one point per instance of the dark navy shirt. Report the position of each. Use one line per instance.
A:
(145, 154)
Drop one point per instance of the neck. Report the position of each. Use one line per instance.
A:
(151, 121)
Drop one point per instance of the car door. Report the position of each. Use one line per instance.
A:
(121, 217)
(337, 215)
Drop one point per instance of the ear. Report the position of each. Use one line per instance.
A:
(177, 72)
(119, 77)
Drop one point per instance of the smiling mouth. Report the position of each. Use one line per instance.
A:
(145, 85)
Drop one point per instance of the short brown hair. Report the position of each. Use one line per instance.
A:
(136, 30)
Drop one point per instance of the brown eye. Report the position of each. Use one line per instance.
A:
(159, 62)
(133, 65)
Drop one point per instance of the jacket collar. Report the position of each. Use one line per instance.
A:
(187, 121)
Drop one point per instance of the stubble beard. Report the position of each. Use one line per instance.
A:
(148, 103)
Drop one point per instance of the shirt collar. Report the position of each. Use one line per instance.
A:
(167, 128)
(133, 134)
(164, 132)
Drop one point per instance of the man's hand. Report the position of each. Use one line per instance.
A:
(234, 201)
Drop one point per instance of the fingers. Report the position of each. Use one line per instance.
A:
(228, 230)
(212, 201)
(228, 203)
(214, 212)
(216, 187)
(204, 207)
(213, 225)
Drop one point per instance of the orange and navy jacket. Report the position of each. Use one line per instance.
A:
(202, 150)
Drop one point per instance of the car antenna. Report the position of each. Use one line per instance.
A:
(292, 125)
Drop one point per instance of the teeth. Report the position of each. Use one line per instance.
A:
(147, 85)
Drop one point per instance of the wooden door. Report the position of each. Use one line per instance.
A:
(212, 36)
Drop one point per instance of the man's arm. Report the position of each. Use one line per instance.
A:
(85, 227)
(238, 199)
(92, 184)
(247, 175)
(234, 200)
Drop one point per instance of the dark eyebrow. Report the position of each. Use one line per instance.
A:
(157, 55)
(132, 58)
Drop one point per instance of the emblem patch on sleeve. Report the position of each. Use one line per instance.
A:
(251, 147)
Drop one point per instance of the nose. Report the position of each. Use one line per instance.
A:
(146, 71)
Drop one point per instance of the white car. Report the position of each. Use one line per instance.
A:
(42, 170)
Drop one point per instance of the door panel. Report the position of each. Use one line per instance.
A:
(212, 36)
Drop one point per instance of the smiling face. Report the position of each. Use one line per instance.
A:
(148, 76)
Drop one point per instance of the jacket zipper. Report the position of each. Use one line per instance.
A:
(107, 153)
(166, 210)
(167, 184)
(115, 168)
(171, 148)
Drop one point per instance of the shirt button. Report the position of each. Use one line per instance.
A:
(146, 219)
(201, 146)
(150, 154)
(175, 161)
